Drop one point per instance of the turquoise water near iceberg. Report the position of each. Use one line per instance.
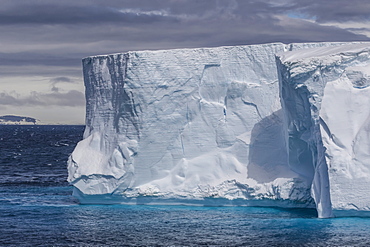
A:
(37, 209)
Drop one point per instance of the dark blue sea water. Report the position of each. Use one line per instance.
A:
(37, 209)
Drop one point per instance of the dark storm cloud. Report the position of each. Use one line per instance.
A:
(60, 33)
(52, 13)
(43, 39)
(70, 98)
(61, 79)
(37, 58)
(31, 71)
(157, 12)
(333, 10)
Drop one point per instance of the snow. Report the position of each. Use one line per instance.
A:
(207, 125)
(325, 93)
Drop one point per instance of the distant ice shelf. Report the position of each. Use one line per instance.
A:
(259, 125)
(326, 94)
(18, 120)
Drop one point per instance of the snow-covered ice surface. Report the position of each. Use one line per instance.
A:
(206, 126)
(326, 97)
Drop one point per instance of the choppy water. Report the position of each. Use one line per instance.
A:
(37, 209)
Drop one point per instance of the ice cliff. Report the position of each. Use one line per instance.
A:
(325, 96)
(227, 126)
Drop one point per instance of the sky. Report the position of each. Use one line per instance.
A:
(42, 42)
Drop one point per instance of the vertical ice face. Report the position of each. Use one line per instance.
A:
(194, 124)
(325, 95)
(187, 123)
(101, 162)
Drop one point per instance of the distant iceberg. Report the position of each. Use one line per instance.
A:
(18, 120)
(260, 125)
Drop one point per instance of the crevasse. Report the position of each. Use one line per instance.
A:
(306, 150)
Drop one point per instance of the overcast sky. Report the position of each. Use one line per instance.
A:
(42, 42)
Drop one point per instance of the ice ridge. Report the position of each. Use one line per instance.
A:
(241, 125)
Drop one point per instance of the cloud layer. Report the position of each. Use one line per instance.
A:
(49, 38)
(71, 98)
(60, 33)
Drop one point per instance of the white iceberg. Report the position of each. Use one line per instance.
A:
(206, 126)
(326, 94)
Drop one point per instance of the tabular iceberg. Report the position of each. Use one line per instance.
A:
(208, 126)
(325, 94)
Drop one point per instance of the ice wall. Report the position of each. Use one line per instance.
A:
(325, 97)
(189, 123)
(201, 126)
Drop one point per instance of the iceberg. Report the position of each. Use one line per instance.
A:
(325, 94)
(251, 125)
(18, 120)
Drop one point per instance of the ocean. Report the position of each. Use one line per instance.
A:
(37, 208)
